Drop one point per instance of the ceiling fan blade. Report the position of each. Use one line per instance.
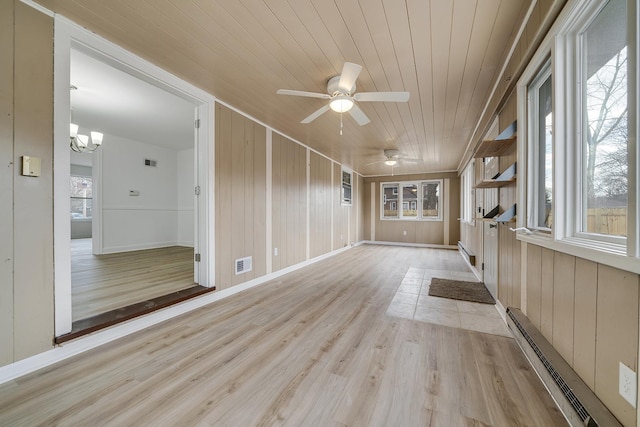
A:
(409, 160)
(350, 73)
(382, 96)
(359, 115)
(311, 117)
(303, 93)
(373, 163)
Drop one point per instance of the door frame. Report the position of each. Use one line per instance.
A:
(68, 35)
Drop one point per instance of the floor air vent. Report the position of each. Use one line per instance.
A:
(243, 265)
(576, 400)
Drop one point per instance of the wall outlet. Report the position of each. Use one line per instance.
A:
(404, 232)
(275, 251)
(628, 384)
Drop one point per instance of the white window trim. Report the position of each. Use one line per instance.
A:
(559, 43)
(400, 202)
(467, 194)
(343, 201)
(533, 150)
(89, 219)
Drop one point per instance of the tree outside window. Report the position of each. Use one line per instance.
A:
(81, 197)
(605, 161)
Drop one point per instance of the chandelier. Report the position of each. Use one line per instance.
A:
(81, 143)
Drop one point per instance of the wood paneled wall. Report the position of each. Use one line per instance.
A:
(367, 217)
(26, 220)
(509, 273)
(241, 200)
(320, 200)
(289, 202)
(6, 180)
(425, 232)
(360, 210)
(589, 312)
(240, 183)
(340, 213)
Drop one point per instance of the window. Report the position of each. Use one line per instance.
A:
(604, 166)
(81, 197)
(540, 116)
(409, 200)
(467, 193)
(346, 187)
(419, 200)
(580, 164)
(430, 199)
(389, 201)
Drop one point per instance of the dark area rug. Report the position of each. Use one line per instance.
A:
(457, 289)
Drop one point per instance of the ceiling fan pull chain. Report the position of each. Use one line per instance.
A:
(340, 124)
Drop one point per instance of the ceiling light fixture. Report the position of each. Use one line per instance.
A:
(390, 162)
(81, 143)
(341, 103)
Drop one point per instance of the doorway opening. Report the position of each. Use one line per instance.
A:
(132, 242)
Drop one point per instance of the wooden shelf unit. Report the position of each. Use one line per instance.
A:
(494, 183)
(495, 147)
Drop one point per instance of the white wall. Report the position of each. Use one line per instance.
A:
(150, 219)
(185, 197)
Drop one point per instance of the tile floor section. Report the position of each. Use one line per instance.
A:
(412, 301)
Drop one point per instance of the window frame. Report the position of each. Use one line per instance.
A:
(533, 148)
(561, 43)
(71, 198)
(395, 203)
(400, 202)
(344, 200)
(467, 194)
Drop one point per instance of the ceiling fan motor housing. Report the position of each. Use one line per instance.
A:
(333, 88)
(391, 154)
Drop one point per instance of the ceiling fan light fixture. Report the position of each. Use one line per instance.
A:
(390, 162)
(341, 103)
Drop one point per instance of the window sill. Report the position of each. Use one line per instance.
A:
(609, 254)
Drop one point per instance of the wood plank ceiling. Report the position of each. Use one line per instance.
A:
(446, 53)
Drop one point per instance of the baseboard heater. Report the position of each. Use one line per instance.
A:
(576, 400)
(468, 255)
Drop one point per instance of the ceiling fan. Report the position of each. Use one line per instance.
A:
(342, 97)
(392, 158)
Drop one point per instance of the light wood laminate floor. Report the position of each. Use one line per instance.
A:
(101, 283)
(313, 348)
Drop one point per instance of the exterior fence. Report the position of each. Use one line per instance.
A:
(611, 221)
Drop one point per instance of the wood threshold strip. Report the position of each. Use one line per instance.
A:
(104, 320)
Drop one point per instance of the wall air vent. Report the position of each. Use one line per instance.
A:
(243, 265)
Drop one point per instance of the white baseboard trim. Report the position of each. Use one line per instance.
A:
(137, 247)
(104, 336)
(502, 311)
(412, 245)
